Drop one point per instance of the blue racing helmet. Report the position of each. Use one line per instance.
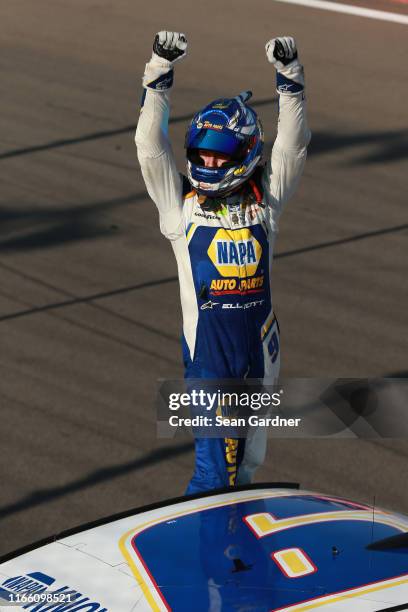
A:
(230, 127)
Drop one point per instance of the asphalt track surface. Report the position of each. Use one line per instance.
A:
(89, 308)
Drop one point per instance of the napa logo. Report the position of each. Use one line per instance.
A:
(235, 252)
(36, 582)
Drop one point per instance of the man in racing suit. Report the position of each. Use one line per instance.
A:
(222, 221)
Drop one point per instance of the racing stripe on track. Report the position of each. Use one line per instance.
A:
(349, 9)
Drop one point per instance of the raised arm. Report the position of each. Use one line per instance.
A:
(288, 157)
(154, 151)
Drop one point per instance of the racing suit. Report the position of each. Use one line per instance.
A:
(224, 249)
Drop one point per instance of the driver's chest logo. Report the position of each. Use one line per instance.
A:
(235, 252)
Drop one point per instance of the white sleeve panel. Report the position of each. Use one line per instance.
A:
(283, 171)
(157, 162)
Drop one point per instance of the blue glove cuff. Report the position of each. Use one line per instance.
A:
(163, 82)
(285, 85)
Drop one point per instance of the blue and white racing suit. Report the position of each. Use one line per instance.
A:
(224, 250)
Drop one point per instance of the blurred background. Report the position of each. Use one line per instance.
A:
(89, 304)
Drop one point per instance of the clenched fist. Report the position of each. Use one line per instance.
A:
(171, 46)
(281, 51)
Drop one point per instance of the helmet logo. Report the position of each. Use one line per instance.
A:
(239, 170)
(207, 125)
(223, 104)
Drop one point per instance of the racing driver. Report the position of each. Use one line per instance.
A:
(222, 221)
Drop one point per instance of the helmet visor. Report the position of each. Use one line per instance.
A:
(219, 142)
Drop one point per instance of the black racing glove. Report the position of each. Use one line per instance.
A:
(171, 46)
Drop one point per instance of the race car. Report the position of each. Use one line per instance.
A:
(263, 548)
